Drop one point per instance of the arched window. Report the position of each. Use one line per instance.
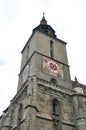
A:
(20, 112)
(56, 115)
(51, 49)
(55, 107)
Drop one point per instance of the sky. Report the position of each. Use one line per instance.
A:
(19, 17)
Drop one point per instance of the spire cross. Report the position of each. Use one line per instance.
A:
(43, 14)
(43, 21)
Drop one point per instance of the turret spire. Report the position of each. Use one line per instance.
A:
(43, 21)
(45, 28)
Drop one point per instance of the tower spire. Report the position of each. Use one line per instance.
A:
(45, 28)
(43, 21)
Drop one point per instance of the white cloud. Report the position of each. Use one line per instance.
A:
(3, 61)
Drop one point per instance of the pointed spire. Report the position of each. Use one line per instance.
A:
(43, 21)
(45, 28)
(76, 79)
(76, 82)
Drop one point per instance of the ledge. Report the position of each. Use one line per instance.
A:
(55, 87)
(44, 117)
(68, 123)
(6, 126)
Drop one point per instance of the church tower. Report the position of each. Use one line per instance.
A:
(44, 95)
(44, 56)
(45, 76)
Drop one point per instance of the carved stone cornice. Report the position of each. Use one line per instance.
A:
(59, 88)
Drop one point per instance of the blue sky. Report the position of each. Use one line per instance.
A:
(19, 17)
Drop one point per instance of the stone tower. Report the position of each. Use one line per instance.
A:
(45, 98)
(45, 76)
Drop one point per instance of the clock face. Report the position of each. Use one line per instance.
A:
(53, 68)
(25, 73)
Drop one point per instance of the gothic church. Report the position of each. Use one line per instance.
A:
(46, 98)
